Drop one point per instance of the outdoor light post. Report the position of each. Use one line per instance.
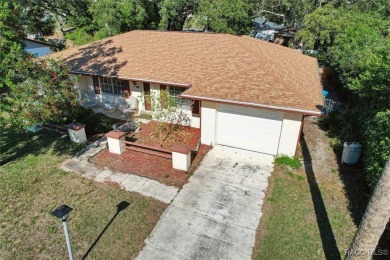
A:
(62, 213)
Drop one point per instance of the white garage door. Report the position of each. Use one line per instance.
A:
(249, 128)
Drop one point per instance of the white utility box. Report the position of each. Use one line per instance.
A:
(351, 153)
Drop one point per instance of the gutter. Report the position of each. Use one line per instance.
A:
(132, 79)
(240, 103)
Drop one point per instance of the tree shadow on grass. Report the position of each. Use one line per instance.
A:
(120, 207)
(327, 236)
(15, 145)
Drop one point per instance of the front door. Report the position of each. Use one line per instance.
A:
(148, 102)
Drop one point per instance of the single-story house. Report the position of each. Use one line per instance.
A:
(240, 91)
(37, 48)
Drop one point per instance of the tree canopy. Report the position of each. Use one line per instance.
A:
(353, 38)
(32, 90)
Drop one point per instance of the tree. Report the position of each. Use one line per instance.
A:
(374, 220)
(67, 14)
(174, 13)
(226, 16)
(289, 12)
(166, 114)
(356, 44)
(37, 20)
(320, 27)
(108, 18)
(44, 92)
(32, 90)
(11, 33)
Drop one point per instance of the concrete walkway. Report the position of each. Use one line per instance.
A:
(129, 182)
(215, 215)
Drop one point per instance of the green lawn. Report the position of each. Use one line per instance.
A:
(32, 185)
(305, 217)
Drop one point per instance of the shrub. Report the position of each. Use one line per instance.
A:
(96, 123)
(376, 145)
(288, 161)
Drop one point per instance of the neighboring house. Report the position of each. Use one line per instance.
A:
(37, 48)
(240, 91)
(265, 30)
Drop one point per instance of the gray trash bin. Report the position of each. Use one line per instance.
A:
(351, 153)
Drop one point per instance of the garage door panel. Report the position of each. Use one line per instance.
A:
(247, 128)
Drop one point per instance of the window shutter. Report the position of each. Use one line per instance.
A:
(195, 107)
(96, 86)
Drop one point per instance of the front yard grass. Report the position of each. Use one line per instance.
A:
(289, 228)
(32, 185)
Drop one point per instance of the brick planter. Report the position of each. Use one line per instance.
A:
(181, 157)
(114, 140)
(77, 133)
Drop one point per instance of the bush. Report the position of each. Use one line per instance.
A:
(96, 123)
(370, 128)
(376, 145)
(289, 161)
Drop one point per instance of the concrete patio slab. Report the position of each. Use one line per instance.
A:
(215, 215)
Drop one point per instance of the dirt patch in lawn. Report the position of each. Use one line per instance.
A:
(149, 134)
(150, 166)
(348, 180)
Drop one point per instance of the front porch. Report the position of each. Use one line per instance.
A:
(117, 113)
(111, 96)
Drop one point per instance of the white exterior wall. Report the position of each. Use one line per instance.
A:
(86, 88)
(208, 112)
(136, 91)
(195, 121)
(290, 133)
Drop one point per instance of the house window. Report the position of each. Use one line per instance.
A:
(111, 86)
(181, 103)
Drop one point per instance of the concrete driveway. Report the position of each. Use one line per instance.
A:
(216, 214)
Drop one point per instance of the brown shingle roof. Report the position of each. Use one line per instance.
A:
(216, 66)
